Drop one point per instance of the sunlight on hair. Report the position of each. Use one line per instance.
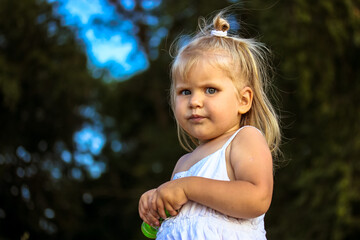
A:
(244, 60)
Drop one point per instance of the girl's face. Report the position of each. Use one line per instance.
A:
(206, 103)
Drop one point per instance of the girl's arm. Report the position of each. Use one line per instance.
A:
(248, 196)
(146, 211)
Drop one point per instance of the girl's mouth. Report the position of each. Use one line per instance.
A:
(196, 118)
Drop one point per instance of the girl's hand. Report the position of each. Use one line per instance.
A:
(170, 196)
(146, 212)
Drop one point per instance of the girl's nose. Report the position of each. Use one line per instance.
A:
(196, 101)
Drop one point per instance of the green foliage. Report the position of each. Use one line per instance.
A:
(317, 50)
(44, 82)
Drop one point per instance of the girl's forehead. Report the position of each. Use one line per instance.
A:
(203, 75)
(206, 65)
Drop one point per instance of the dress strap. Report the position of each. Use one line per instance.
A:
(234, 135)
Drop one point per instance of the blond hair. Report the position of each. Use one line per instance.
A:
(245, 62)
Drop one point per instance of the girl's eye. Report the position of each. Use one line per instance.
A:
(185, 92)
(211, 90)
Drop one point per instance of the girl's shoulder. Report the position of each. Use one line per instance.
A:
(179, 164)
(249, 129)
(249, 136)
(249, 152)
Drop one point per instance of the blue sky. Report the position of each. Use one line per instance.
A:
(114, 48)
(108, 46)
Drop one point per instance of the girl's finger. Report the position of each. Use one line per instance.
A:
(161, 208)
(154, 213)
(152, 203)
(153, 220)
(149, 218)
(171, 210)
(141, 210)
(142, 214)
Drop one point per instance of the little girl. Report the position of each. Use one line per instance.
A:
(222, 188)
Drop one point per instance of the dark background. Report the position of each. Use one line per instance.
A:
(45, 82)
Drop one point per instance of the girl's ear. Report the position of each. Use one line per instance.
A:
(245, 100)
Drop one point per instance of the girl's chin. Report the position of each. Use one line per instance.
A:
(202, 138)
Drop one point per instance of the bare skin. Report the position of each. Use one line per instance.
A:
(209, 108)
(247, 195)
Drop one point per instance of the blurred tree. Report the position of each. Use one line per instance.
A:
(317, 47)
(44, 82)
(44, 85)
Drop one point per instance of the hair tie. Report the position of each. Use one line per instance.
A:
(218, 33)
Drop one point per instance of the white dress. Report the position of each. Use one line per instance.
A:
(196, 221)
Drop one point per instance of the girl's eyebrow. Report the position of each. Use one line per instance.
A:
(203, 83)
(181, 85)
(210, 84)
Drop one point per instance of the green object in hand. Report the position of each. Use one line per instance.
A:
(149, 231)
